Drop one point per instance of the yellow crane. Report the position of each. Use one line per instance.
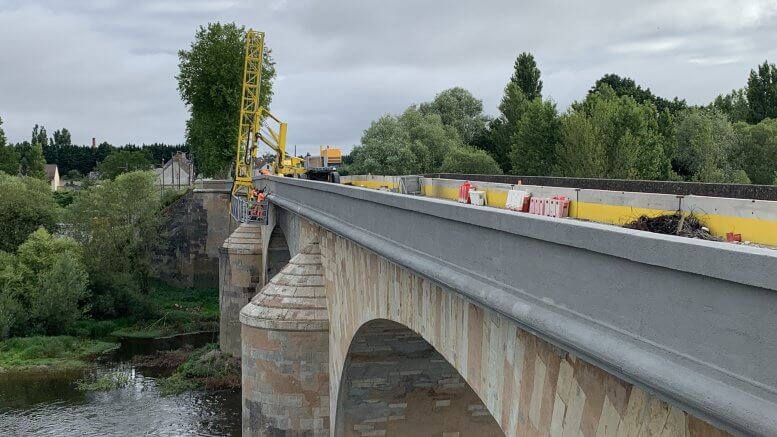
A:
(257, 124)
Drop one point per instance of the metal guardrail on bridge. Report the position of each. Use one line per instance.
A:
(245, 211)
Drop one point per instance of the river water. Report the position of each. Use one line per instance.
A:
(48, 403)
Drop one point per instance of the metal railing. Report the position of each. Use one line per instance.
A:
(249, 211)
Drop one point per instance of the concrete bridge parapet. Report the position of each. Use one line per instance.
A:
(557, 327)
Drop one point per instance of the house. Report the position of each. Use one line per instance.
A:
(52, 175)
(177, 173)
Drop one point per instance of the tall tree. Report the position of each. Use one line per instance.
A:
(124, 161)
(704, 141)
(733, 104)
(625, 86)
(459, 109)
(26, 204)
(33, 163)
(524, 86)
(527, 76)
(762, 92)
(39, 136)
(534, 142)
(9, 158)
(621, 138)
(210, 80)
(755, 149)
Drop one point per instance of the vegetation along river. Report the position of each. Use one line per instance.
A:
(53, 403)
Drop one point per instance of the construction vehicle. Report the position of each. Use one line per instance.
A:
(258, 126)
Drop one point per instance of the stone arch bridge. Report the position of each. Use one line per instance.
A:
(366, 313)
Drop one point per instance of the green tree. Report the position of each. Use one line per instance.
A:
(459, 109)
(385, 150)
(429, 138)
(469, 160)
(32, 162)
(9, 158)
(527, 76)
(210, 81)
(39, 136)
(124, 161)
(625, 86)
(25, 205)
(755, 150)
(620, 139)
(524, 86)
(534, 142)
(581, 154)
(762, 92)
(733, 104)
(61, 138)
(119, 225)
(52, 283)
(704, 140)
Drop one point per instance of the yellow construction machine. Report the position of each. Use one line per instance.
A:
(257, 124)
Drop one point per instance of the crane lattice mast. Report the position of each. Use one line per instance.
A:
(250, 113)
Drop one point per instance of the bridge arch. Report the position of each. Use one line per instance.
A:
(395, 383)
(528, 385)
(277, 253)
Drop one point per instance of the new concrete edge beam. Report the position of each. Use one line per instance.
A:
(728, 400)
(743, 264)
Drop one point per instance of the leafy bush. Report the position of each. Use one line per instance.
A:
(25, 205)
(41, 287)
(470, 160)
(119, 225)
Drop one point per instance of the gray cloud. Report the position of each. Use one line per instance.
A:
(105, 68)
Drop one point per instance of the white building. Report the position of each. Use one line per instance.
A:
(177, 173)
(52, 175)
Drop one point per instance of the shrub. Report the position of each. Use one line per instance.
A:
(42, 286)
(470, 161)
(118, 223)
(25, 205)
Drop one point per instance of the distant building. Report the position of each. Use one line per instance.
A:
(52, 175)
(177, 173)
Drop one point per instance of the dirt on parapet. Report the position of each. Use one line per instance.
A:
(674, 224)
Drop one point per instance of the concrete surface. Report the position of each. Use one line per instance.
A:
(674, 316)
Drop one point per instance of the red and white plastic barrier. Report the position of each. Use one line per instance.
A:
(464, 192)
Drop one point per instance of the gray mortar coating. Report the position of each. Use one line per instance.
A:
(692, 321)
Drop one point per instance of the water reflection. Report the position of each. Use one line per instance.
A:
(47, 403)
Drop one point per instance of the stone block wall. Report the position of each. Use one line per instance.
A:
(241, 271)
(530, 387)
(395, 383)
(196, 226)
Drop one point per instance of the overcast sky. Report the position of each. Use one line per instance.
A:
(106, 68)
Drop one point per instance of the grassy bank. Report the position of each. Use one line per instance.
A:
(165, 311)
(171, 310)
(59, 353)
(206, 368)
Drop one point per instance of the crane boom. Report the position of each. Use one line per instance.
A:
(250, 113)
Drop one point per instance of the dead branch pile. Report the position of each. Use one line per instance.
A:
(673, 224)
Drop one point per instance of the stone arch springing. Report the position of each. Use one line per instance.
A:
(395, 383)
(278, 254)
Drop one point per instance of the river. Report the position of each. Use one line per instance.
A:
(48, 403)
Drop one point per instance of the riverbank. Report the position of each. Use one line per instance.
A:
(168, 311)
(171, 311)
(56, 353)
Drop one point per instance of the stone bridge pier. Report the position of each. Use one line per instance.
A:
(337, 338)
